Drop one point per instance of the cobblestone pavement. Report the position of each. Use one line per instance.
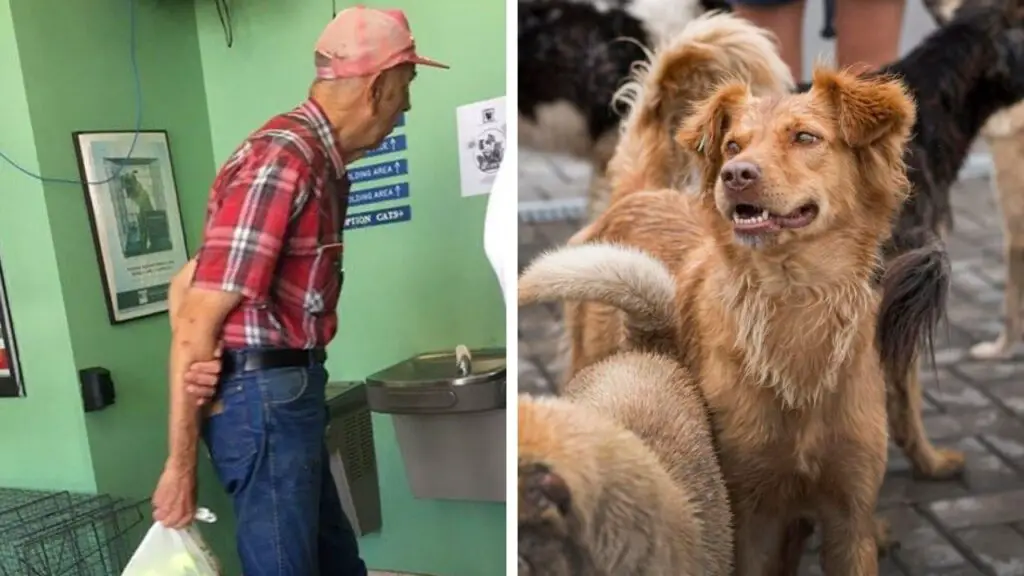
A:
(965, 527)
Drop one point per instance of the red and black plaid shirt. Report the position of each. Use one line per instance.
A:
(274, 231)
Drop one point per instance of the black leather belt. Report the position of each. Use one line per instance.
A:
(235, 361)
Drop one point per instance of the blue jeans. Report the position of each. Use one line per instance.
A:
(268, 450)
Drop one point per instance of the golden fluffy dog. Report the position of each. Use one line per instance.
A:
(664, 91)
(774, 256)
(711, 49)
(620, 474)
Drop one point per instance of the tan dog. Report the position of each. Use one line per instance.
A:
(773, 259)
(1004, 134)
(711, 49)
(620, 475)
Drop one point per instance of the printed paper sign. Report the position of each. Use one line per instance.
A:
(481, 133)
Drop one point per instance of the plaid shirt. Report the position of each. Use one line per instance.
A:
(274, 231)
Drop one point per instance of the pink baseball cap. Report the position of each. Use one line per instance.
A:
(362, 41)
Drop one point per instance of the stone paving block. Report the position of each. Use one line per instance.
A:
(1011, 394)
(980, 510)
(901, 489)
(998, 547)
(1010, 447)
(986, 471)
(988, 372)
(921, 547)
(810, 565)
(966, 570)
(988, 421)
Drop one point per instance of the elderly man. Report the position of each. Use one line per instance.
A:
(265, 286)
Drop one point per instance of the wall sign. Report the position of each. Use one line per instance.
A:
(393, 143)
(378, 194)
(481, 141)
(365, 189)
(378, 217)
(379, 171)
(10, 370)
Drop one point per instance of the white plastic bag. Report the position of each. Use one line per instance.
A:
(168, 552)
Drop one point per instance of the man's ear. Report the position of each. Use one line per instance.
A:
(702, 134)
(866, 108)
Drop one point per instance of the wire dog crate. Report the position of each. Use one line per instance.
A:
(66, 534)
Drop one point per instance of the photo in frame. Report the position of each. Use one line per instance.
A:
(133, 207)
(11, 384)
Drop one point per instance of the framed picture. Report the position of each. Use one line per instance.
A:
(10, 370)
(135, 216)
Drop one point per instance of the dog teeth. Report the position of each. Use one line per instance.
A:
(763, 216)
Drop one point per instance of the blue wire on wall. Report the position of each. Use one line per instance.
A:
(138, 114)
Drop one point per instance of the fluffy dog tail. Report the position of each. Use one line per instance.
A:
(914, 290)
(712, 49)
(624, 278)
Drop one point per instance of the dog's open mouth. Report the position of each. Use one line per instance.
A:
(752, 219)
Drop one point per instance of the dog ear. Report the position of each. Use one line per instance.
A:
(867, 108)
(702, 134)
(544, 491)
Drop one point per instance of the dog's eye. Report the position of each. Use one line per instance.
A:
(732, 148)
(805, 138)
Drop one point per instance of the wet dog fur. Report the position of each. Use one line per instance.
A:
(780, 324)
(620, 474)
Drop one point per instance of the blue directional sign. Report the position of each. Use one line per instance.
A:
(379, 194)
(378, 171)
(393, 143)
(379, 217)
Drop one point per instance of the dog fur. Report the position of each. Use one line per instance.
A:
(1003, 133)
(575, 55)
(620, 476)
(781, 336)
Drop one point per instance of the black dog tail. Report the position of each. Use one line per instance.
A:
(914, 291)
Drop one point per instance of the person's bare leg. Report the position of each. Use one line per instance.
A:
(868, 33)
(786, 21)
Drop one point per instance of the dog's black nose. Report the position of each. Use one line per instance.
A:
(740, 176)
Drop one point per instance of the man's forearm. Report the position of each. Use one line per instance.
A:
(199, 323)
(178, 290)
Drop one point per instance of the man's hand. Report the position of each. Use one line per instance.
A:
(202, 377)
(174, 501)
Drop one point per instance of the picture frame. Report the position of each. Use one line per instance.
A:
(134, 211)
(11, 384)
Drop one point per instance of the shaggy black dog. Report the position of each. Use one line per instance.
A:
(570, 52)
(574, 55)
(960, 76)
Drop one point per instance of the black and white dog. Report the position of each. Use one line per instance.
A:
(574, 55)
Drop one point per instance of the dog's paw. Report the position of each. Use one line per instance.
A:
(944, 465)
(883, 537)
(993, 350)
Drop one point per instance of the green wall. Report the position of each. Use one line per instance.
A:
(409, 287)
(77, 75)
(42, 437)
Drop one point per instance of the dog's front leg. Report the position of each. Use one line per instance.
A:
(759, 543)
(849, 546)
